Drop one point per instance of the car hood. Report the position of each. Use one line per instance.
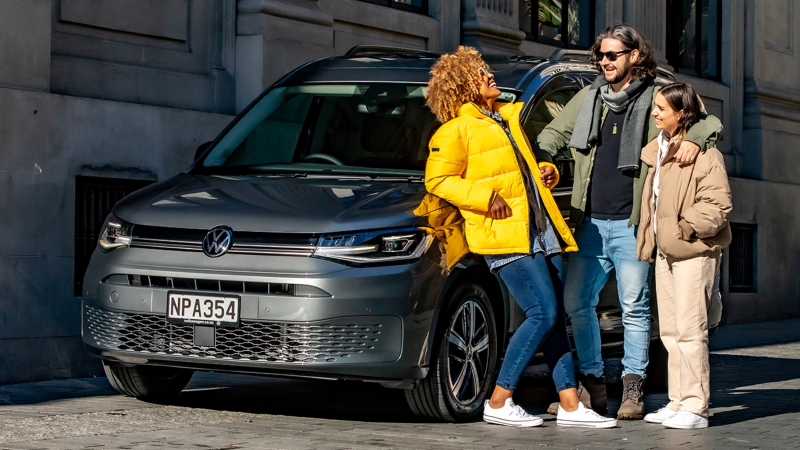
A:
(273, 204)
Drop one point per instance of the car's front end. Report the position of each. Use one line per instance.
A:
(355, 301)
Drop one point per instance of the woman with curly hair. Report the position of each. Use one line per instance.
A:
(480, 161)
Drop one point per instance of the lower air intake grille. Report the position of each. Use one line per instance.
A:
(345, 340)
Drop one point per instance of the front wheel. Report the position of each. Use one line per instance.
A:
(461, 374)
(147, 382)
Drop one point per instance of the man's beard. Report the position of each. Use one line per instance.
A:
(620, 74)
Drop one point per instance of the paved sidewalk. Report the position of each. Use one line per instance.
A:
(755, 404)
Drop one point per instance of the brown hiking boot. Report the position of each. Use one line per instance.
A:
(592, 393)
(632, 407)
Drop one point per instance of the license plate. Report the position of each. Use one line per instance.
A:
(201, 309)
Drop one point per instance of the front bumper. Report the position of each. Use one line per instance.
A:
(374, 325)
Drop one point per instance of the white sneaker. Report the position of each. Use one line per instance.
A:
(510, 415)
(660, 416)
(583, 417)
(686, 420)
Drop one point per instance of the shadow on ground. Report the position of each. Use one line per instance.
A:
(340, 400)
(743, 388)
(750, 387)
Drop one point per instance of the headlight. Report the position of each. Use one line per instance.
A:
(115, 233)
(375, 246)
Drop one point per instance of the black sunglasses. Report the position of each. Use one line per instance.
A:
(612, 56)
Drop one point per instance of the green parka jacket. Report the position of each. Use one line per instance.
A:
(556, 136)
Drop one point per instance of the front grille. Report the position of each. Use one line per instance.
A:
(202, 284)
(348, 340)
(162, 238)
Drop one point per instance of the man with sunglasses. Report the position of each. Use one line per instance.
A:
(606, 125)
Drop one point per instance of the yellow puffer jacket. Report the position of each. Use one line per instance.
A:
(471, 159)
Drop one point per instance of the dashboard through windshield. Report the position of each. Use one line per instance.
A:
(359, 129)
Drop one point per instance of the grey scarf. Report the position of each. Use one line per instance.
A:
(637, 98)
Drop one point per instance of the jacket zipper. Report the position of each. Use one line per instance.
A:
(517, 156)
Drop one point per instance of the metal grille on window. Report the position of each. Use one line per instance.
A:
(94, 198)
(742, 262)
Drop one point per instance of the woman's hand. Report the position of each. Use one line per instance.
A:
(499, 208)
(548, 176)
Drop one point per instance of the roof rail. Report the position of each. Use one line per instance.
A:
(363, 49)
(563, 54)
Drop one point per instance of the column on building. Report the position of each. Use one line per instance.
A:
(492, 26)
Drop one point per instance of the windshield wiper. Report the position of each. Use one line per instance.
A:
(408, 178)
(285, 174)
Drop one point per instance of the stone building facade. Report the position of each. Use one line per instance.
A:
(121, 92)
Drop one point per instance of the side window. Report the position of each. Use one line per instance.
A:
(547, 109)
(544, 111)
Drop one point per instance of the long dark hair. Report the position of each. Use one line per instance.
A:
(683, 97)
(645, 67)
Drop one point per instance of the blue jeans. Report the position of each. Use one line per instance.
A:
(604, 245)
(536, 283)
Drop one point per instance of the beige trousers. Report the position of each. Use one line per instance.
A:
(684, 289)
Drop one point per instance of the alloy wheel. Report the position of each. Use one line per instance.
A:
(468, 352)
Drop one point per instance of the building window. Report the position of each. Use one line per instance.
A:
(415, 6)
(94, 198)
(564, 23)
(694, 37)
(742, 259)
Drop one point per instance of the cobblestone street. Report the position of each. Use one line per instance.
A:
(755, 404)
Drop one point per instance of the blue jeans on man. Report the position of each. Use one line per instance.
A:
(604, 245)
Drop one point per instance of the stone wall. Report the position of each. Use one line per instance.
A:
(47, 139)
(175, 53)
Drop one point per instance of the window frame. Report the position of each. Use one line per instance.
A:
(401, 6)
(567, 80)
(674, 27)
(563, 43)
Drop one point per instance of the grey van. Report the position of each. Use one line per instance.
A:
(302, 243)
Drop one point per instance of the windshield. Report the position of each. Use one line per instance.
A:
(372, 129)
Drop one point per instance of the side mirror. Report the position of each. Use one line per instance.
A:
(201, 149)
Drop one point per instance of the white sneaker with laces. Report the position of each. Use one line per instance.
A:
(510, 415)
(583, 417)
(686, 420)
(660, 416)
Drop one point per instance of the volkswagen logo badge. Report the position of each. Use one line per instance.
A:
(217, 242)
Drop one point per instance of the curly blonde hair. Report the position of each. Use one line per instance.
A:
(455, 80)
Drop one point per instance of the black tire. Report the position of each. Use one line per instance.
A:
(450, 391)
(147, 382)
(657, 369)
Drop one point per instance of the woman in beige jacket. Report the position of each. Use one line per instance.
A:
(684, 225)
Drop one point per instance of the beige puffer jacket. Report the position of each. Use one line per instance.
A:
(694, 205)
